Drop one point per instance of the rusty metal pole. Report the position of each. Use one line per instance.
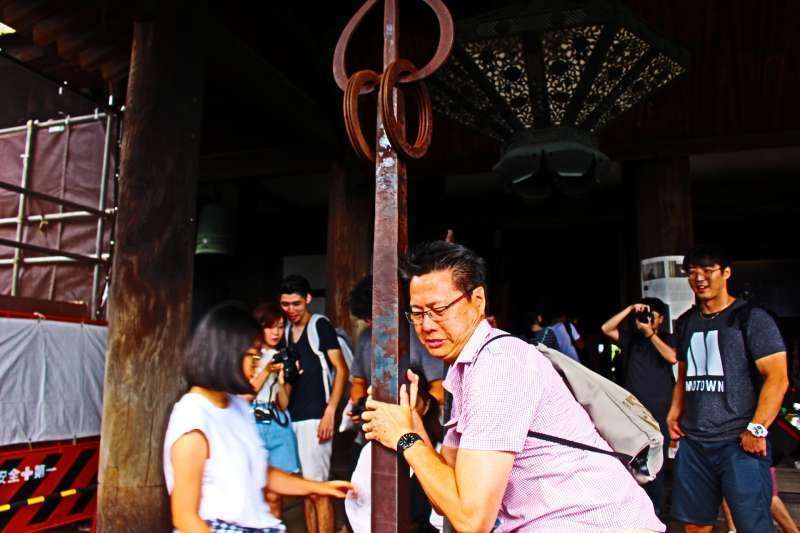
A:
(390, 507)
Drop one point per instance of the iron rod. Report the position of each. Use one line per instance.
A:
(389, 334)
(61, 193)
(47, 260)
(26, 167)
(101, 206)
(44, 250)
(24, 191)
(48, 217)
(56, 122)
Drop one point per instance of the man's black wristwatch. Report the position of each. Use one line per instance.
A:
(407, 441)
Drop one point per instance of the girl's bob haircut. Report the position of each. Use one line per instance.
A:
(217, 348)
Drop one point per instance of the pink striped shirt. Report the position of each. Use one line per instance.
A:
(509, 389)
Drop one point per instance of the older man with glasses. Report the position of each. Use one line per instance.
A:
(489, 466)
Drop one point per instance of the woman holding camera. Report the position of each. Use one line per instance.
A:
(215, 465)
(273, 421)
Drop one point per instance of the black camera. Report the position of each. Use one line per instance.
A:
(290, 362)
(359, 407)
(263, 414)
(645, 317)
(269, 413)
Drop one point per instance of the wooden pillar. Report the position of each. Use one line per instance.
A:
(663, 206)
(152, 270)
(349, 232)
(662, 192)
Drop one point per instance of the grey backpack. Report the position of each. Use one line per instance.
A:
(623, 422)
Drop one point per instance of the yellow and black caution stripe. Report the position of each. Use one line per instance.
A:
(36, 500)
(67, 494)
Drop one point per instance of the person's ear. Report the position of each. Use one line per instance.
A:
(308, 298)
(726, 273)
(478, 298)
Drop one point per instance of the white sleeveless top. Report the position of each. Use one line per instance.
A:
(235, 473)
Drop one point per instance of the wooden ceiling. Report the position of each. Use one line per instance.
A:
(87, 44)
(270, 84)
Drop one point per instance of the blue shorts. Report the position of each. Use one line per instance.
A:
(704, 472)
(280, 443)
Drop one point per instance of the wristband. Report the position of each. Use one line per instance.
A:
(407, 441)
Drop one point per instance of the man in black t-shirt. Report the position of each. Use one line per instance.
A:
(315, 394)
(648, 355)
(731, 381)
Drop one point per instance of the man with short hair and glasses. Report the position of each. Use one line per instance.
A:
(489, 466)
(732, 377)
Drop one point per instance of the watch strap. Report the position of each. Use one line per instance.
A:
(407, 441)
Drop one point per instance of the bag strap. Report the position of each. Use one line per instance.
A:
(558, 440)
(579, 445)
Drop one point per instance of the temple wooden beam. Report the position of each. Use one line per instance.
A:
(152, 271)
(349, 231)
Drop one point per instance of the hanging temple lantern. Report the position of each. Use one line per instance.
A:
(543, 77)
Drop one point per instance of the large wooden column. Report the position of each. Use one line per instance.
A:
(663, 205)
(152, 271)
(349, 233)
(661, 191)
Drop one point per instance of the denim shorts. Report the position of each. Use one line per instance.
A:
(706, 471)
(281, 444)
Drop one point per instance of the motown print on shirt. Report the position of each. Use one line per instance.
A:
(721, 394)
(704, 370)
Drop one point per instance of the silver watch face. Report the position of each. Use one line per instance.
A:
(757, 429)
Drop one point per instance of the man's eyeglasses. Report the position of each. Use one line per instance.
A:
(705, 272)
(437, 314)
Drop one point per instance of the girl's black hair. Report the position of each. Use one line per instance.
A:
(216, 350)
(430, 419)
(361, 299)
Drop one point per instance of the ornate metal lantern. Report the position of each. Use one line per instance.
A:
(544, 76)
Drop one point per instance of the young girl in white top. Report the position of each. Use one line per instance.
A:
(215, 464)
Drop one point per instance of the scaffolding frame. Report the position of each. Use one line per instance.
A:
(101, 212)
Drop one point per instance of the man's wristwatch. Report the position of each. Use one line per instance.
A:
(407, 441)
(757, 430)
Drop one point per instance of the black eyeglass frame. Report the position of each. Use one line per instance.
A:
(435, 313)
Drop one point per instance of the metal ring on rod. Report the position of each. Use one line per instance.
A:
(356, 83)
(393, 130)
(445, 44)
